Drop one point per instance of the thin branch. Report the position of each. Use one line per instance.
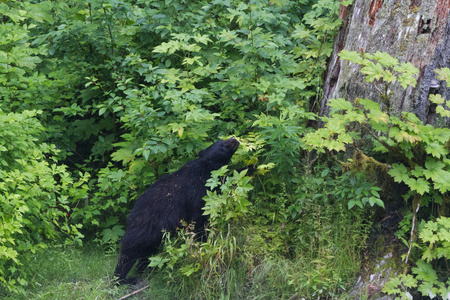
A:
(413, 237)
(134, 293)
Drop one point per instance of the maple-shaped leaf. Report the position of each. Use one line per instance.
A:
(372, 71)
(436, 149)
(420, 185)
(408, 68)
(441, 134)
(441, 181)
(352, 56)
(378, 116)
(336, 125)
(433, 167)
(340, 104)
(407, 79)
(428, 235)
(355, 116)
(418, 171)
(384, 59)
(402, 135)
(425, 271)
(409, 281)
(436, 99)
(369, 104)
(335, 145)
(443, 74)
(399, 172)
(442, 111)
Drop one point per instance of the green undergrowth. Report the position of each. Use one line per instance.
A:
(68, 272)
(315, 253)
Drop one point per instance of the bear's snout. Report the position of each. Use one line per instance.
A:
(232, 143)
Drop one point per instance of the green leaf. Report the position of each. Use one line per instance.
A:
(433, 167)
(420, 185)
(442, 111)
(406, 77)
(436, 99)
(352, 56)
(425, 272)
(443, 74)
(354, 202)
(399, 172)
(418, 171)
(392, 286)
(340, 104)
(146, 154)
(385, 59)
(441, 180)
(436, 149)
(372, 71)
(408, 280)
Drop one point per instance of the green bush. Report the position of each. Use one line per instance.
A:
(36, 195)
(431, 271)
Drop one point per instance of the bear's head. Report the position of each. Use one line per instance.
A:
(219, 153)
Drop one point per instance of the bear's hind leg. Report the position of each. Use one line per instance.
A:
(124, 266)
(142, 264)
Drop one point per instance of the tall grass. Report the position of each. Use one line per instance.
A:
(322, 264)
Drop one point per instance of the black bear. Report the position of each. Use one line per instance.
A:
(173, 197)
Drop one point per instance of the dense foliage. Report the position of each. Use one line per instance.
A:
(100, 98)
(418, 158)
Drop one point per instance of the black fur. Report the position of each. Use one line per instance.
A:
(174, 197)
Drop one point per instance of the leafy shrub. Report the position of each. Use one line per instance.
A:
(36, 195)
(430, 275)
(129, 90)
(419, 153)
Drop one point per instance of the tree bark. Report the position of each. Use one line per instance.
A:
(415, 31)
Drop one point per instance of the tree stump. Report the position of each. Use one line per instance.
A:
(415, 31)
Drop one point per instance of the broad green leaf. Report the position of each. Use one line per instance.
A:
(407, 71)
(428, 235)
(385, 59)
(352, 56)
(388, 76)
(425, 272)
(436, 149)
(407, 68)
(442, 111)
(421, 186)
(418, 171)
(408, 280)
(369, 104)
(336, 125)
(441, 181)
(399, 172)
(340, 104)
(334, 145)
(433, 167)
(443, 74)
(372, 71)
(436, 99)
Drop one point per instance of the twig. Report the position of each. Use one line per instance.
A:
(413, 237)
(134, 293)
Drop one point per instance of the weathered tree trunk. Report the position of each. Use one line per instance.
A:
(415, 31)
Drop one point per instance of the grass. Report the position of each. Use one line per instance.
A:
(325, 262)
(85, 273)
(69, 273)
